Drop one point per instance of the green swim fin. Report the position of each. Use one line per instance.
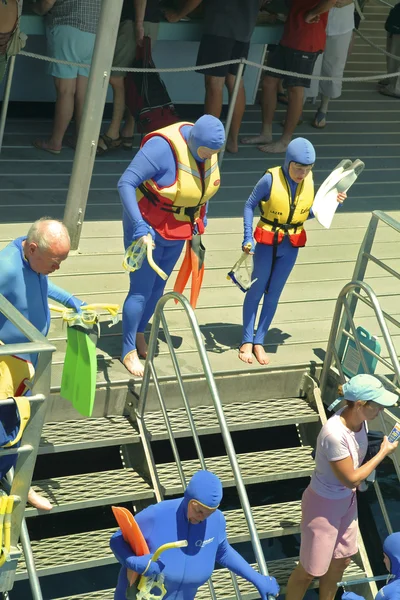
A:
(79, 374)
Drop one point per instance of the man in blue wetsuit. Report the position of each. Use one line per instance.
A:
(25, 265)
(194, 518)
(285, 196)
(391, 558)
(165, 191)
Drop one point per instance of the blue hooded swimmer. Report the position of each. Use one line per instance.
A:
(391, 558)
(285, 196)
(194, 518)
(165, 191)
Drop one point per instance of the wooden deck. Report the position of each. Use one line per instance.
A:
(362, 124)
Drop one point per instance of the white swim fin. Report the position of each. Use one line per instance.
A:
(340, 180)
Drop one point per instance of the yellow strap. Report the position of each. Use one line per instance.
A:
(149, 254)
(89, 312)
(7, 529)
(179, 544)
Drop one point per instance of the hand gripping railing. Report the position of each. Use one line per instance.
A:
(21, 480)
(159, 318)
(345, 328)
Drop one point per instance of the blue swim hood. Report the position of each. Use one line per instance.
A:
(205, 488)
(391, 547)
(207, 131)
(301, 151)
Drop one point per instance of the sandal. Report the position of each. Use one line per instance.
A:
(127, 142)
(386, 91)
(110, 144)
(42, 145)
(319, 117)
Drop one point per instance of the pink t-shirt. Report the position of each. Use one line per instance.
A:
(335, 442)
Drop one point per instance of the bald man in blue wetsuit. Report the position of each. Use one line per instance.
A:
(25, 264)
(194, 518)
(285, 196)
(165, 191)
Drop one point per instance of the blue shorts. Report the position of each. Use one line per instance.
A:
(72, 44)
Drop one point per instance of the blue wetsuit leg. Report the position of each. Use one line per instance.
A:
(122, 585)
(146, 288)
(286, 258)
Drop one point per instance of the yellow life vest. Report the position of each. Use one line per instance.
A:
(281, 209)
(172, 210)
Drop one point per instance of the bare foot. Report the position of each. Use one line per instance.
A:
(38, 501)
(275, 147)
(141, 345)
(47, 146)
(257, 139)
(246, 353)
(133, 364)
(260, 354)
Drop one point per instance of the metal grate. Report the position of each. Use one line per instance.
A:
(239, 416)
(69, 553)
(272, 520)
(65, 436)
(280, 569)
(92, 489)
(256, 467)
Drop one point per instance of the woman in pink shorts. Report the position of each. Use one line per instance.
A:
(329, 524)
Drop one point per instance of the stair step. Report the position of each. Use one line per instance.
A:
(256, 467)
(239, 416)
(53, 555)
(66, 436)
(68, 553)
(280, 569)
(91, 489)
(272, 520)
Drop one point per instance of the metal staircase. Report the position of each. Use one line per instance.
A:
(281, 402)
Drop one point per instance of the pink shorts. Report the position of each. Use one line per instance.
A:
(328, 530)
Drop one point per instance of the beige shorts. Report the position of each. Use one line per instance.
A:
(125, 48)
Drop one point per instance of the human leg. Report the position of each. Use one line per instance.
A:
(261, 271)
(298, 583)
(214, 95)
(64, 109)
(328, 582)
(166, 255)
(112, 133)
(237, 116)
(293, 114)
(285, 261)
(122, 585)
(80, 95)
(141, 287)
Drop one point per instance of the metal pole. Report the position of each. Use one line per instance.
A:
(30, 563)
(85, 153)
(6, 99)
(232, 105)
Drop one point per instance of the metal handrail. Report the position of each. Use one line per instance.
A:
(19, 481)
(159, 318)
(332, 356)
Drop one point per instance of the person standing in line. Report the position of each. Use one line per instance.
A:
(332, 62)
(164, 192)
(139, 18)
(329, 524)
(303, 39)
(227, 30)
(71, 33)
(285, 196)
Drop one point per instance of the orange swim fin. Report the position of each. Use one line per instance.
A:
(132, 536)
(184, 272)
(198, 253)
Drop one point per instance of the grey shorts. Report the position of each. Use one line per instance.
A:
(125, 48)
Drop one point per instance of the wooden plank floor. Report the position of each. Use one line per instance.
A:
(362, 124)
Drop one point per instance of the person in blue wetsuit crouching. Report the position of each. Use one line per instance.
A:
(165, 191)
(194, 518)
(391, 558)
(285, 196)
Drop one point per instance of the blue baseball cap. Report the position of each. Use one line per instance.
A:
(366, 388)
